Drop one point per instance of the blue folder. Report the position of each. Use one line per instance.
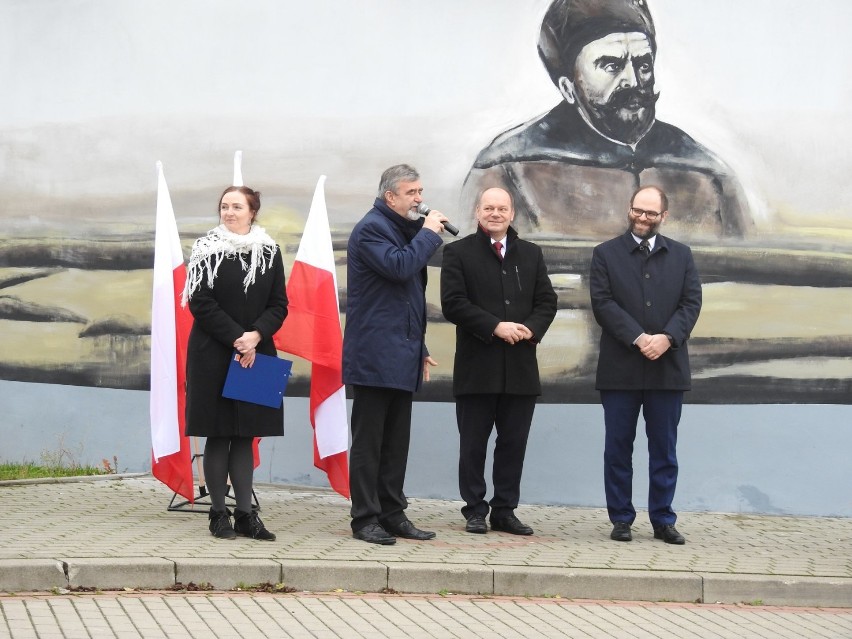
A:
(264, 383)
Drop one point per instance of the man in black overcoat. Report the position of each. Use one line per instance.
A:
(646, 296)
(495, 289)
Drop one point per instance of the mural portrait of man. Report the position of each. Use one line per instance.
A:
(571, 169)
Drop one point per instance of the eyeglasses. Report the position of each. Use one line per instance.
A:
(650, 215)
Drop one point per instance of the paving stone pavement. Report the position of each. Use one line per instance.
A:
(118, 534)
(248, 615)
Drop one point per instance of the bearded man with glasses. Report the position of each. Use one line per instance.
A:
(646, 296)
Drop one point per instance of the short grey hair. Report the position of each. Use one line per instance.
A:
(394, 175)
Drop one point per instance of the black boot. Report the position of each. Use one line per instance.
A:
(250, 525)
(220, 524)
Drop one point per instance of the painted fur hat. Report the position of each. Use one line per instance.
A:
(569, 25)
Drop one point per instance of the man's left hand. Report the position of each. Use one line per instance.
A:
(654, 346)
(427, 362)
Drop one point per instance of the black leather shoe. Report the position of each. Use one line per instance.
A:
(374, 534)
(250, 525)
(510, 524)
(476, 524)
(669, 534)
(407, 530)
(621, 531)
(220, 524)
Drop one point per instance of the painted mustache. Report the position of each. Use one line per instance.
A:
(632, 97)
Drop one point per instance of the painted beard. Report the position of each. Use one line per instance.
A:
(626, 116)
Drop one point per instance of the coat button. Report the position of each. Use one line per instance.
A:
(648, 303)
(507, 302)
(647, 276)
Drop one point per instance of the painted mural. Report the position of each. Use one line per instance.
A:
(734, 110)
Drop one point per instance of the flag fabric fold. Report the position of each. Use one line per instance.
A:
(170, 326)
(312, 331)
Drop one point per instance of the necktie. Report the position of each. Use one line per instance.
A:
(498, 248)
(645, 247)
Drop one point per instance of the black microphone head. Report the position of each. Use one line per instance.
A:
(423, 209)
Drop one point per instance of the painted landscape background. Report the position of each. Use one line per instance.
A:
(99, 91)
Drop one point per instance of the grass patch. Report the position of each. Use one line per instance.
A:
(61, 462)
(33, 470)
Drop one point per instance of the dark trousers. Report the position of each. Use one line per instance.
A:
(229, 457)
(381, 430)
(661, 410)
(477, 415)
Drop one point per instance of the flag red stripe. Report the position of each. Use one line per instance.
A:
(325, 382)
(337, 469)
(312, 329)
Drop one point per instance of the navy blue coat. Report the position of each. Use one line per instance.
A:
(384, 338)
(477, 292)
(631, 295)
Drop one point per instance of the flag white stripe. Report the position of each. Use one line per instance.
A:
(329, 416)
(165, 435)
(238, 168)
(318, 252)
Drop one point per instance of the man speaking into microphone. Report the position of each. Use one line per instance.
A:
(384, 350)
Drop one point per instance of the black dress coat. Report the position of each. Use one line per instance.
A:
(632, 294)
(478, 291)
(222, 314)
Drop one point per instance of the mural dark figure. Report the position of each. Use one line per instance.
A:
(495, 289)
(570, 170)
(646, 296)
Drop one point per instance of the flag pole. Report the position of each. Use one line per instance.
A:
(238, 168)
(199, 467)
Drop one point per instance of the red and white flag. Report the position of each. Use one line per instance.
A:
(312, 331)
(170, 326)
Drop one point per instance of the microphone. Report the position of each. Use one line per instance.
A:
(423, 209)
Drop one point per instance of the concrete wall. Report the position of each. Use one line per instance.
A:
(780, 459)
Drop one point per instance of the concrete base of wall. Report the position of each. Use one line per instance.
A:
(774, 459)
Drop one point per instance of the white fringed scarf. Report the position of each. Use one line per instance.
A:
(255, 250)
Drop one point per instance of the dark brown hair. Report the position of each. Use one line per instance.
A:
(252, 197)
(664, 200)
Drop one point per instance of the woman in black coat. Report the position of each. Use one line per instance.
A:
(235, 290)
